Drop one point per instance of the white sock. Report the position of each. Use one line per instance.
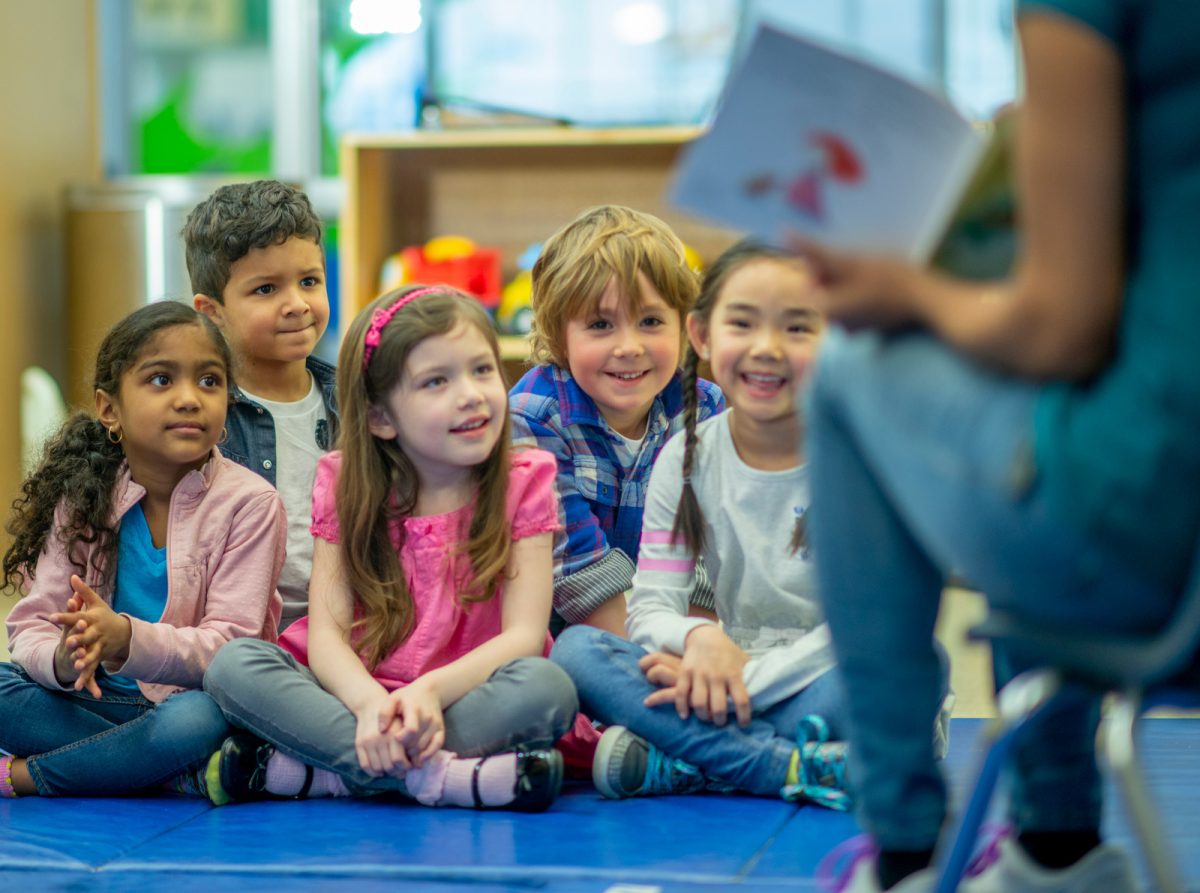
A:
(285, 777)
(497, 781)
(445, 780)
(425, 785)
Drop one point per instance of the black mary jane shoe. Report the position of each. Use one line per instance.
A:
(539, 779)
(242, 769)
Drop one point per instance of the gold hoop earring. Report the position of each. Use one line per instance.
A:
(120, 435)
(224, 436)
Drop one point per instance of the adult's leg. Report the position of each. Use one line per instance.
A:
(612, 687)
(528, 702)
(923, 465)
(880, 594)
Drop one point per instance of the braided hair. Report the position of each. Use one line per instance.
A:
(689, 517)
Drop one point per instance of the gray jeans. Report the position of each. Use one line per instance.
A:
(263, 689)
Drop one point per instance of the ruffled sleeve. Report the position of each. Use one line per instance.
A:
(532, 500)
(324, 498)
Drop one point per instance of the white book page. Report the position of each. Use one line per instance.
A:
(811, 141)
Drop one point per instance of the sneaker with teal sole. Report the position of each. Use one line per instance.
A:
(821, 768)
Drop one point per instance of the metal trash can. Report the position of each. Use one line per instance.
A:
(123, 250)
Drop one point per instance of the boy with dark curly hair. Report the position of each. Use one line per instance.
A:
(257, 269)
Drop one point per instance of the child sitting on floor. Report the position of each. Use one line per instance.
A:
(418, 669)
(732, 491)
(143, 551)
(610, 290)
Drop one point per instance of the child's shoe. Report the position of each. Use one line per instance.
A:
(520, 780)
(1011, 870)
(539, 775)
(818, 772)
(628, 766)
(191, 783)
(238, 771)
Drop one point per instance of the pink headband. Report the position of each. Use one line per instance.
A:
(382, 316)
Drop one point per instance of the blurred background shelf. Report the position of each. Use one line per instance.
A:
(501, 188)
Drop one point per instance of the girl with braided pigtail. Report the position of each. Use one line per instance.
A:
(756, 706)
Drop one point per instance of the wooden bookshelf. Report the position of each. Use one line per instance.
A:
(502, 188)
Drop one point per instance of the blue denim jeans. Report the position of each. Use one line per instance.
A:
(263, 689)
(922, 466)
(753, 758)
(77, 745)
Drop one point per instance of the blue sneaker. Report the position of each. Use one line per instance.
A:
(821, 769)
(628, 766)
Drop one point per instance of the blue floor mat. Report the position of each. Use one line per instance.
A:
(583, 845)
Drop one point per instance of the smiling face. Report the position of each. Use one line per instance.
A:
(275, 307)
(624, 356)
(448, 409)
(170, 406)
(761, 338)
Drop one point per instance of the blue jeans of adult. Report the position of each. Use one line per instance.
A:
(76, 745)
(922, 466)
(753, 758)
(527, 702)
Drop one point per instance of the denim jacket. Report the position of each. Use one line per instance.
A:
(251, 440)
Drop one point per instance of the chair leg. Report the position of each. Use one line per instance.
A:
(1119, 752)
(1020, 701)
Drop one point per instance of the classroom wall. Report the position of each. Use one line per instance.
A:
(48, 139)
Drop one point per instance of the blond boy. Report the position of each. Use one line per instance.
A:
(610, 292)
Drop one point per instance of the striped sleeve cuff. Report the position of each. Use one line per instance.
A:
(576, 596)
(703, 595)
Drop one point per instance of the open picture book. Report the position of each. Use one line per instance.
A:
(811, 141)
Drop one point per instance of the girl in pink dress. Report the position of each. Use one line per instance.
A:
(419, 668)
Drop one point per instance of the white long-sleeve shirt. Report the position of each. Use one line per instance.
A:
(765, 595)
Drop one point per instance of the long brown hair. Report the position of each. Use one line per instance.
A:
(378, 485)
(79, 463)
(689, 517)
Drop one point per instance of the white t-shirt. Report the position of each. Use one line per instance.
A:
(627, 449)
(765, 595)
(296, 456)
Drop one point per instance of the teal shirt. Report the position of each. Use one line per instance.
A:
(1120, 456)
(141, 584)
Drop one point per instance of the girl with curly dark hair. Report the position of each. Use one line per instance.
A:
(140, 551)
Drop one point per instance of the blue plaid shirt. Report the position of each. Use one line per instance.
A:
(601, 504)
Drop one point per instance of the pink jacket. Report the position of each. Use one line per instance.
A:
(226, 535)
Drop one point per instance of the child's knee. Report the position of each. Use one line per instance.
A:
(233, 662)
(13, 678)
(195, 717)
(560, 693)
(578, 646)
(547, 697)
(552, 685)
